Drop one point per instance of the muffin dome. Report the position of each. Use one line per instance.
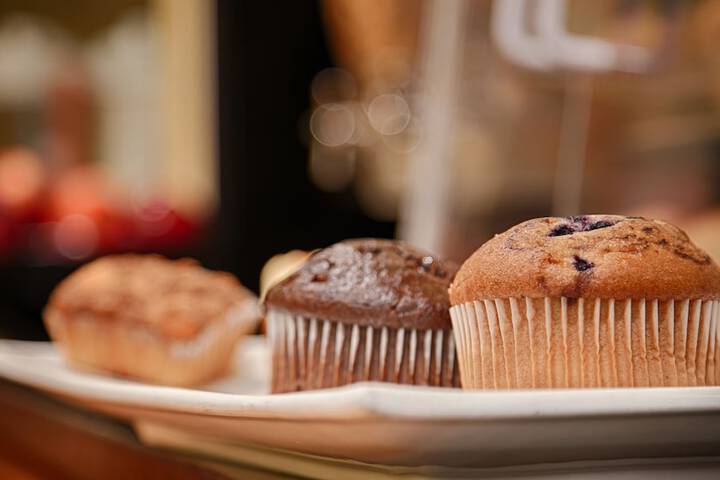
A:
(176, 299)
(593, 256)
(370, 282)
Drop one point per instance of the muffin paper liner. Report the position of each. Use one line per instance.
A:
(568, 343)
(312, 353)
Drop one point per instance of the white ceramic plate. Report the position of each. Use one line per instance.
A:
(392, 424)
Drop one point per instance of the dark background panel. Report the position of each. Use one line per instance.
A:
(267, 58)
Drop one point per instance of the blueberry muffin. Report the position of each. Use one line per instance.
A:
(151, 319)
(588, 301)
(363, 310)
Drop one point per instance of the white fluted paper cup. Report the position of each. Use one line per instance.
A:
(311, 353)
(558, 342)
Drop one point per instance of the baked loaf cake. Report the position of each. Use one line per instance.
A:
(363, 310)
(587, 301)
(149, 318)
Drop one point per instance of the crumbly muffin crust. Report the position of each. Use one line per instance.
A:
(591, 256)
(369, 282)
(175, 299)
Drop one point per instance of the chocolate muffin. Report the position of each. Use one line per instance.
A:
(149, 318)
(588, 301)
(363, 310)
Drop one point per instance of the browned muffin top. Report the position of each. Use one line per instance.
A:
(369, 282)
(175, 298)
(593, 256)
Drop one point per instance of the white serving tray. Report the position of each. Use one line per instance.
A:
(391, 424)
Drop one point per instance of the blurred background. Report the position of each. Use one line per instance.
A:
(232, 131)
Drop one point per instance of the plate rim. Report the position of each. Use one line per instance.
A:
(359, 400)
